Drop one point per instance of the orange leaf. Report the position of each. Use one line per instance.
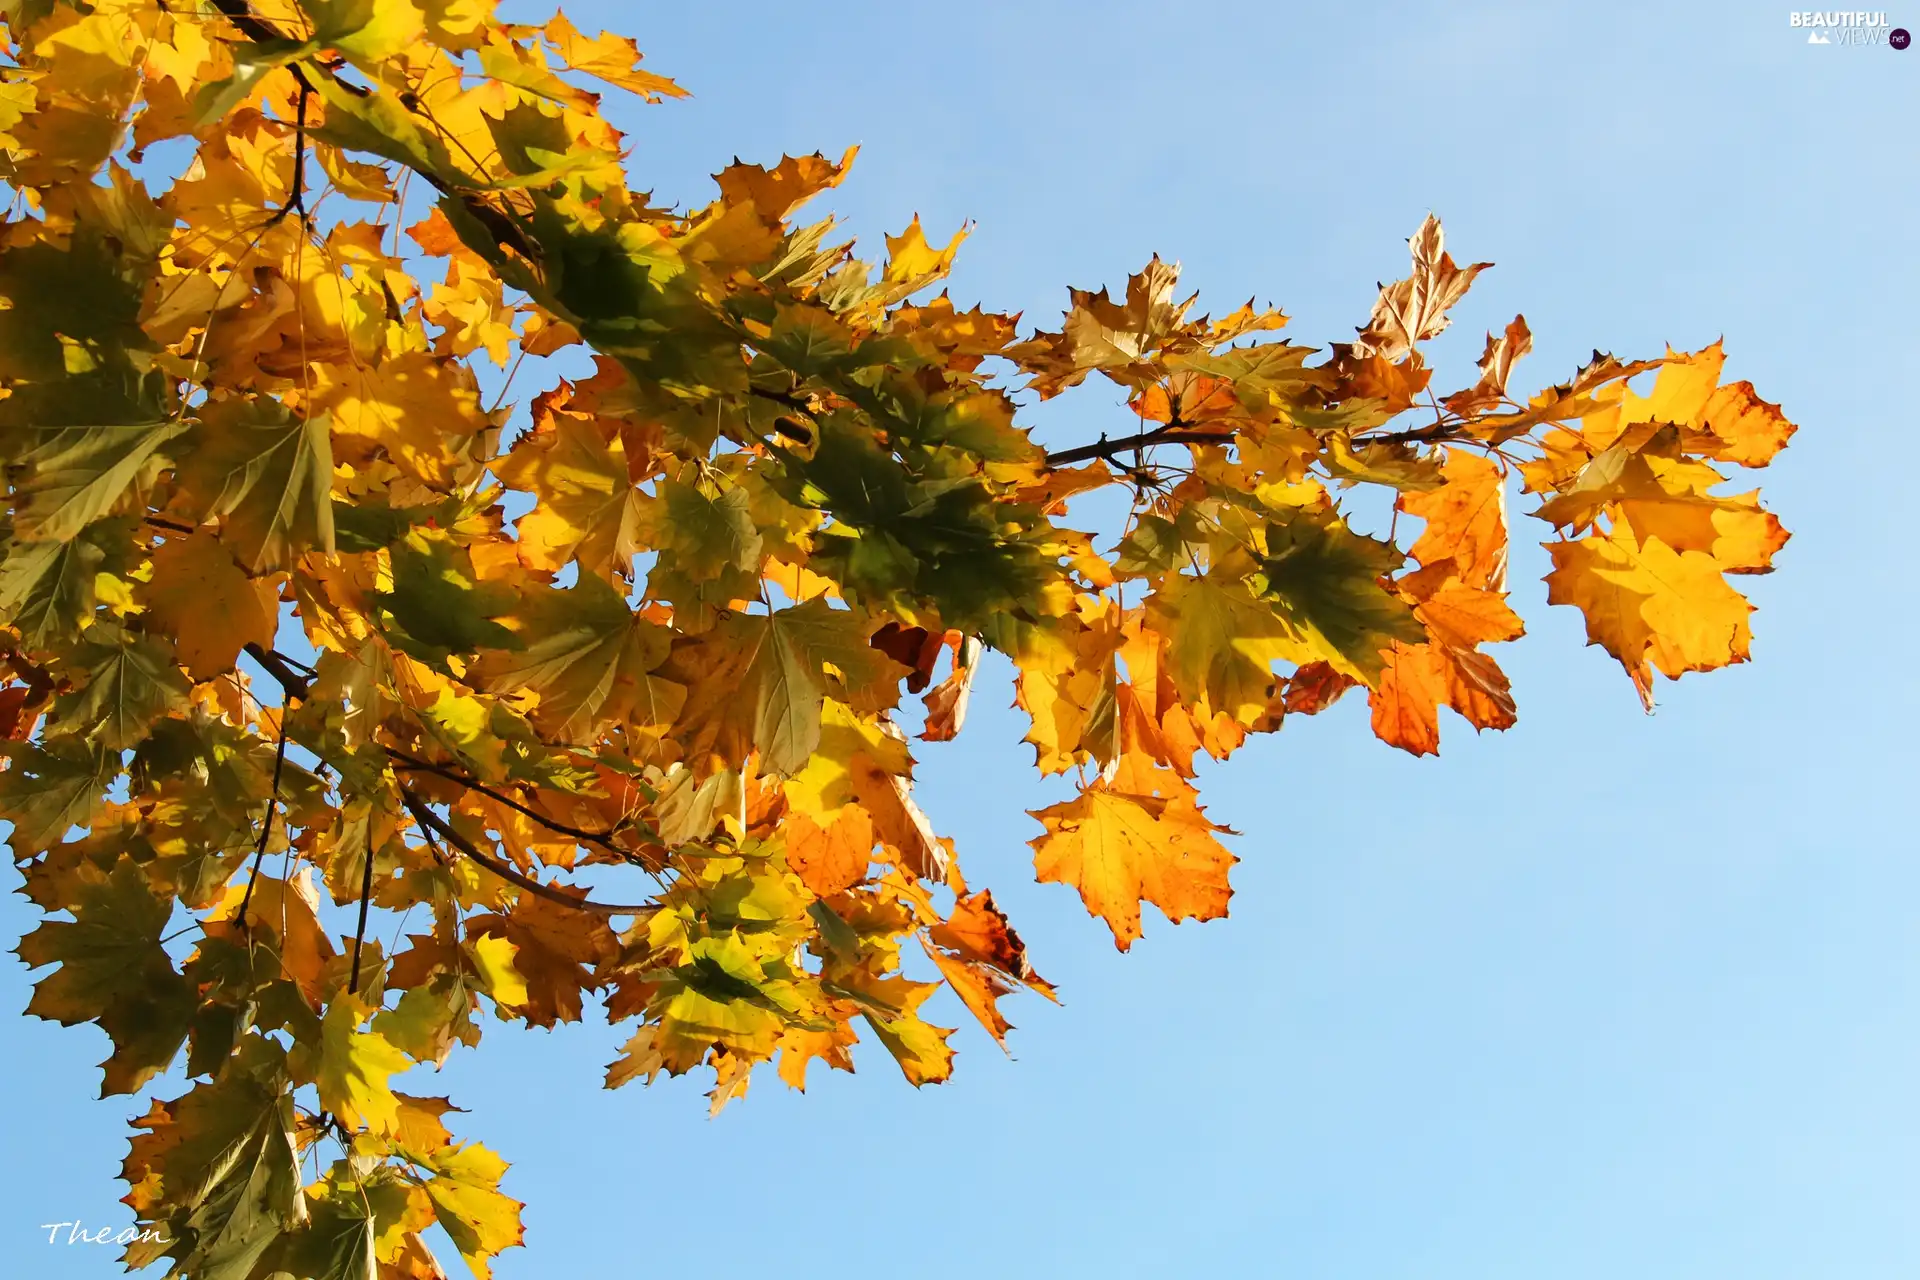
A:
(1121, 848)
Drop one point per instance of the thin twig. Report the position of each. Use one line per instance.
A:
(266, 827)
(360, 929)
(297, 686)
(433, 822)
(601, 838)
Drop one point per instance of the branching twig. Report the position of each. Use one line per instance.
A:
(297, 195)
(604, 839)
(433, 822)
(280, 667)
(171, 526)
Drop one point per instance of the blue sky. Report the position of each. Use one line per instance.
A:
(1606, 995)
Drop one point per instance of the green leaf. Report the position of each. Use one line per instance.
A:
(79, 473)
(50, 787)
(1222, 642)
(48, 590)
(219, 1167)
(267, 475)
(1323, 580)
(338, 1243)
(438, 605)
(702, 532)
(113, 937)
(588, 656)
(130, 682)
(114, 971)
(372, 525)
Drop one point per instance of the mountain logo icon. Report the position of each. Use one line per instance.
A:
(1817, 38)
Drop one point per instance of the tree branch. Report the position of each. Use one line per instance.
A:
(439, 826)
(1423, 435)
(604, 839)
(291, 682)
(296, 685)
(1172, 433)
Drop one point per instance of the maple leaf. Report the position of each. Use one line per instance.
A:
(130, 682)
(113, 969)
(1466, 520)
(268, 477)
(419, 412)
(219, 1167)
(1496, 370)
(439, 606)
(554, 955)
(1101, 334)
(757, 682)
(1140, 838)
(1447, 669)
(81, 473)
(588, 507)
(353, 1069)
(778, 191)
(50, 787)
(482, 1220)
(1651, 606)
(614, 59)
(200, 597)
(588, 658)
(832, 858)
(1412, 310)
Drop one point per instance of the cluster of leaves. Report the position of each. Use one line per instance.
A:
(663, 634)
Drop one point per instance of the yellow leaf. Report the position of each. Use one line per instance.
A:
(1746, 429)
(801, 1046)
(481, 1220)
(422, 413)
(587, 507)
(354, 1069)
(911, 258)
(1448, 669)
(291, 910)
(494, 969)
(199, 596)
(614, 59)
(1647, 603)
(778, 191)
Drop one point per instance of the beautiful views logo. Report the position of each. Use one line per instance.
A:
(1855, 28)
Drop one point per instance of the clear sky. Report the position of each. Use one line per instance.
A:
(1604, 996)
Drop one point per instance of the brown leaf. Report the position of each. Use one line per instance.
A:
(1412, 310)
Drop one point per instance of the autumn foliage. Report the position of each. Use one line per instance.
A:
(311, 614)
